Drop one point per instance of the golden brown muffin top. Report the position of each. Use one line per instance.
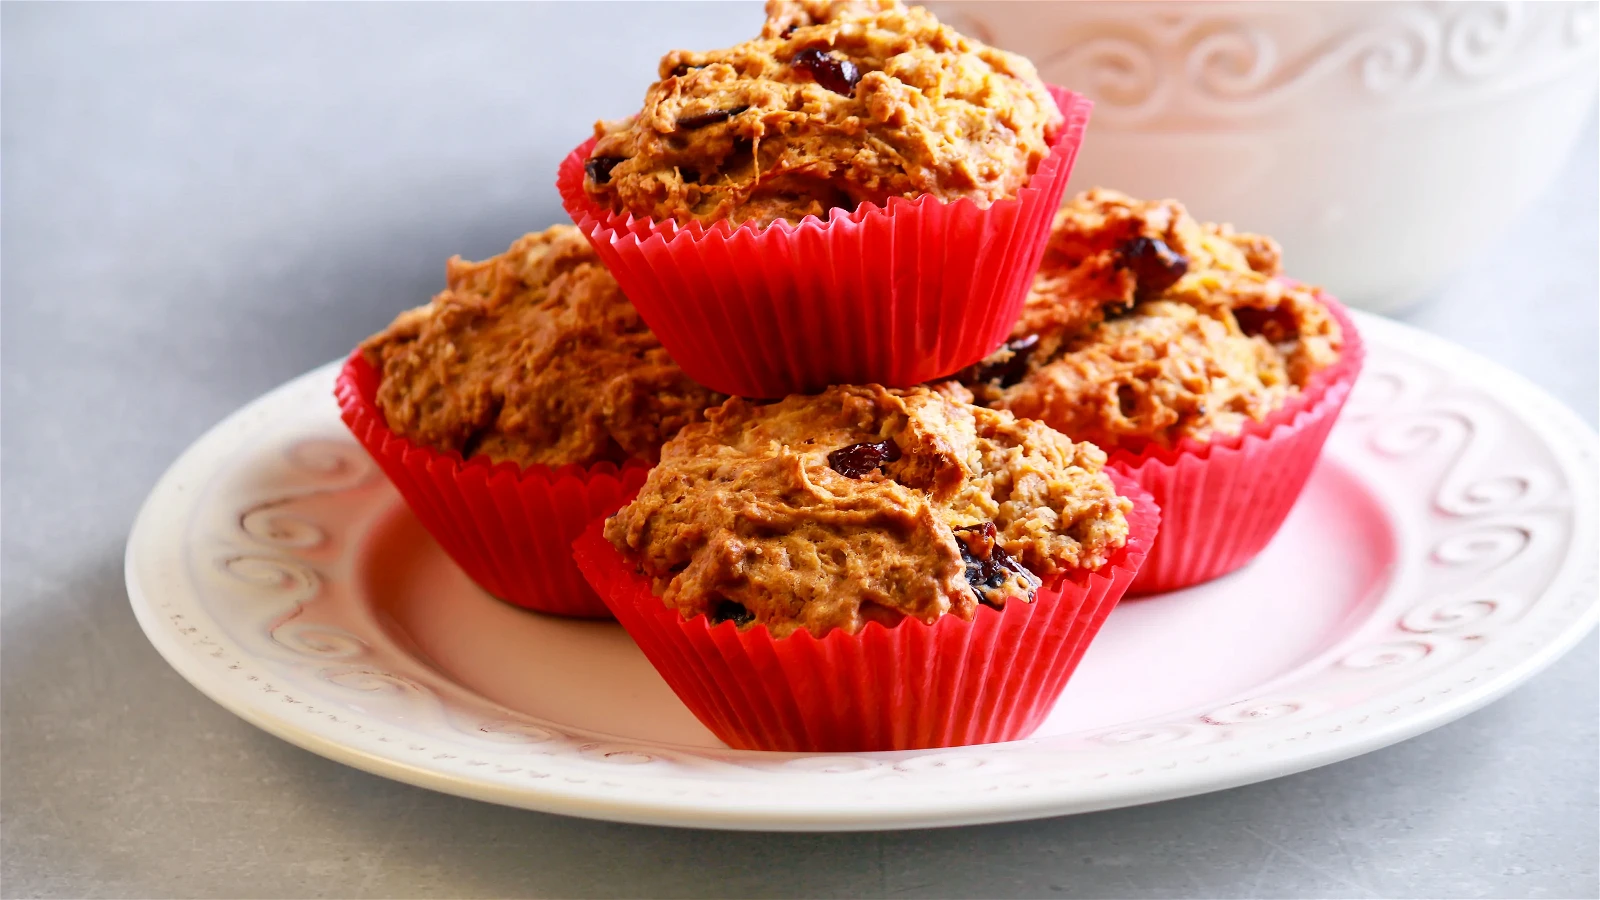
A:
(834, 105)
(865, 504)
(536, 357)
(1144, 326)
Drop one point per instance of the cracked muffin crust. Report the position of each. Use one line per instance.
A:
(865, 504)
(1144, 327)
(534, 357)
(834, 105)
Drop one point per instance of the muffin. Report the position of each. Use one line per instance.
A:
(526, 398)
(876, 568)
(835, 105)
(533, 357)
(858, 171)
(1171, 343)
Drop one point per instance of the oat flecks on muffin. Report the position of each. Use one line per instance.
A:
(865, 504)
(536, 357)
(834, 105)
(1144, 326)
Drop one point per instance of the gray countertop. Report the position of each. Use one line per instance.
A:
(202, 201)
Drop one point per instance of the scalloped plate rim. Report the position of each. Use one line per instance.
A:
(911, 810)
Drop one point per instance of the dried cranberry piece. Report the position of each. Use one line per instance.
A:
(710, 117)
(988, 563)
(1127, 401)
(599, 168)
(1154, 264)
(1275, 323)
(682, 69)
(731, 611)
(1006, 372)
(857, 460)
(742, 147)
(835, 74)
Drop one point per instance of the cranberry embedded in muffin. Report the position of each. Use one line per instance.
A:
(1144, 326)
(834, 105)
(865, 504)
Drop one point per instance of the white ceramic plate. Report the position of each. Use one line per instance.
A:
(1444, 551)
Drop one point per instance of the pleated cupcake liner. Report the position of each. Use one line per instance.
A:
(509, 528)
(1223, 501)
(911, 686)
(896, 295)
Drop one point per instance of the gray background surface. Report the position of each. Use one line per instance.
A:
(203, 201)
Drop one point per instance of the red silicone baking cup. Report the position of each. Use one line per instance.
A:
(509, 528)
(893, 295)
(911, 686)
(1222, 501)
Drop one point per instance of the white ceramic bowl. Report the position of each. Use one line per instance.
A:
(1383, 143)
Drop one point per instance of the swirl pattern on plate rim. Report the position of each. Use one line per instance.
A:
(1489, 599)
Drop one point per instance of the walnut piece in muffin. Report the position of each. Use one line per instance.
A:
(834, 105)
(865, 504)
(536, 357)
(1144, 326)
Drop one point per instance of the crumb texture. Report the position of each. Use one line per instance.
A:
(835, 104)
(1144, 326)
(865, 504)
(535, 357)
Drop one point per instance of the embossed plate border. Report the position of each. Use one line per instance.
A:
(1490, 484)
